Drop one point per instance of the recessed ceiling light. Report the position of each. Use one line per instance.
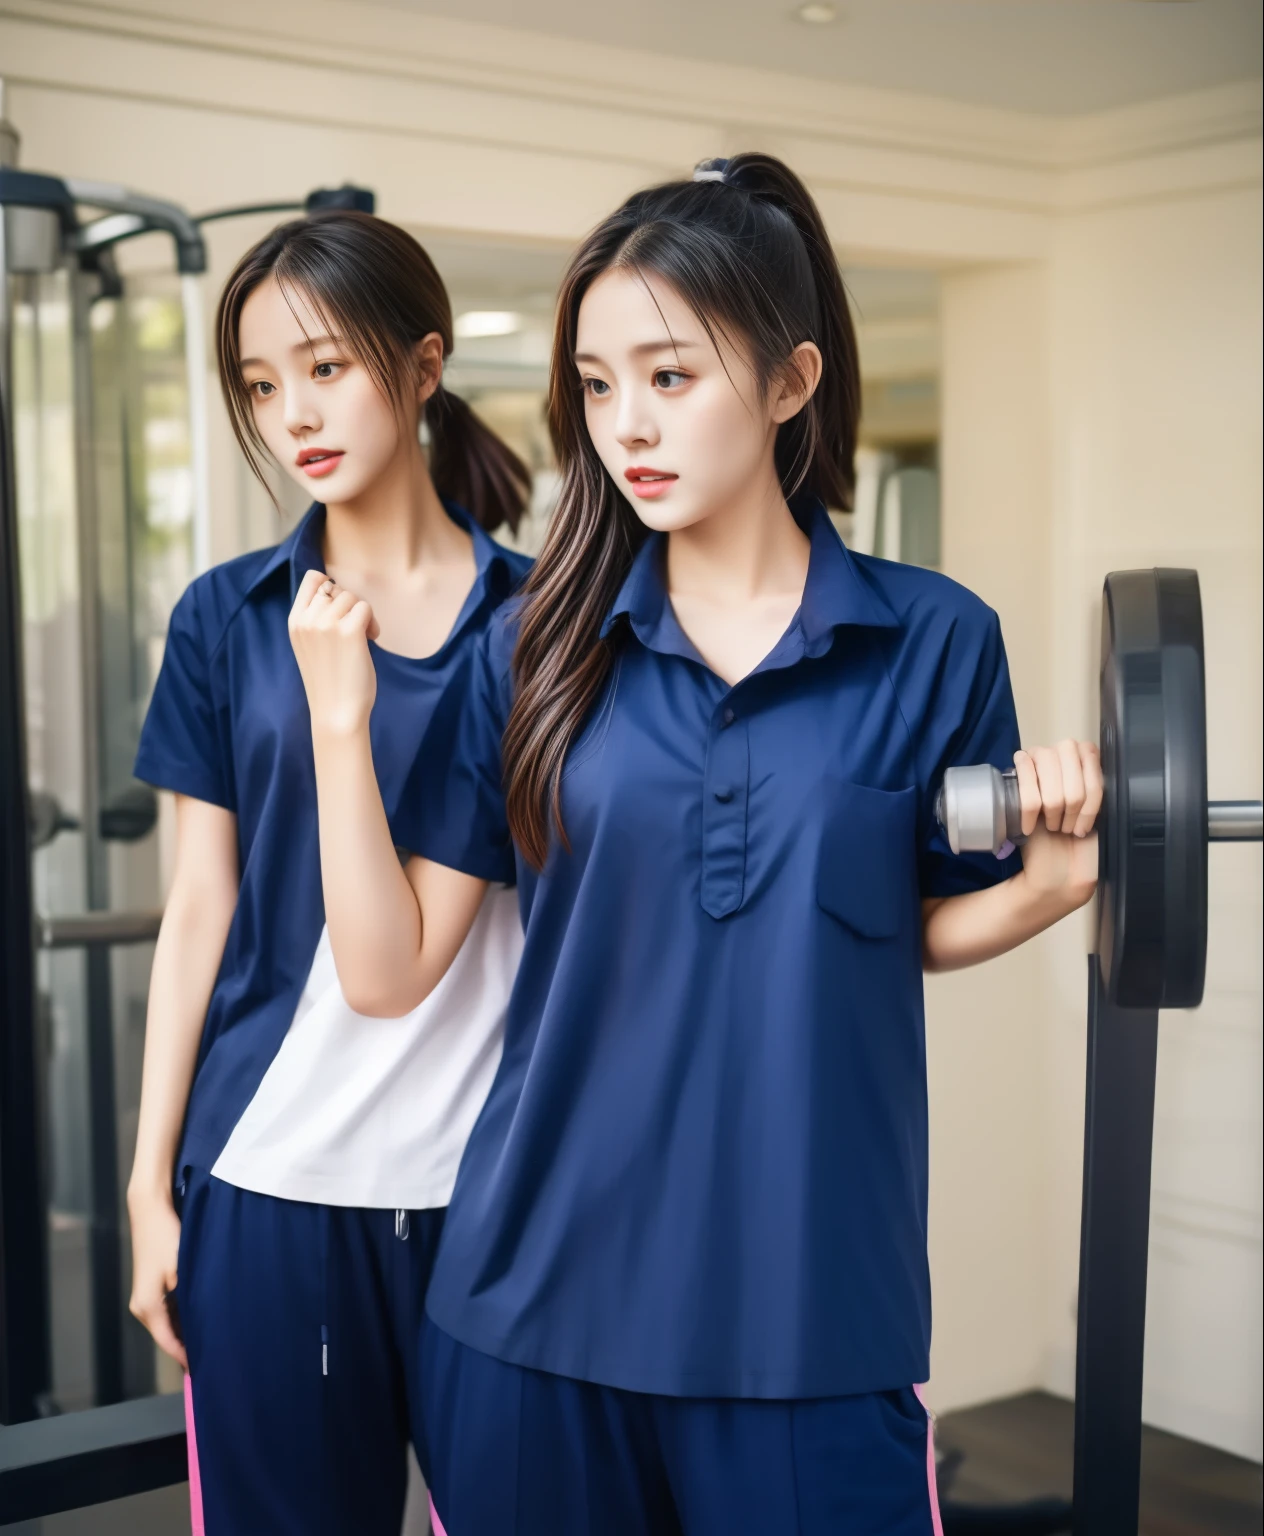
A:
(486, 322)
(817, 14)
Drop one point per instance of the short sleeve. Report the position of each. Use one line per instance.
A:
(461, 820)
(182, 746)
(971, 719)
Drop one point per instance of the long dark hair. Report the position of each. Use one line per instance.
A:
(743, 244)
(379, 291)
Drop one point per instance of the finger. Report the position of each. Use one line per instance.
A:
(1028, 791)
(338, 607)
(358, 618)
(374, 629)
(1052, 796)
(157, 1322)
(1072, 783)
(1094, 788)
(307, 589)
(164, 1336)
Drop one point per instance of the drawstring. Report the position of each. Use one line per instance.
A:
(324, 1285)
(401, 1232)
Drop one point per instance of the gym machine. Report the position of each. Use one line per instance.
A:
(1151, 953)
(82, 594)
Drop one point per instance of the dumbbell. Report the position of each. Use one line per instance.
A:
(978, 808)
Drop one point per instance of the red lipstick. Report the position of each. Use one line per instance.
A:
(315, 462)
(647, 482)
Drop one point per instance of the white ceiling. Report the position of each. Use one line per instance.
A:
(1045, 56)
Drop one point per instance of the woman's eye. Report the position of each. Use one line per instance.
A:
(326, 370)
(261, 389)
(598, 388)
(669, 378)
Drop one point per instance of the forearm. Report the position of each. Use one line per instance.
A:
(186, 961)
(375, 922)
(965, 930)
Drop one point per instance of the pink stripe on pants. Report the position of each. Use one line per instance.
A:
(195, 1480)
(937, 1523)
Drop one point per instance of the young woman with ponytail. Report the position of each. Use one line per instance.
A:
(683, 1285)
(293, 1158)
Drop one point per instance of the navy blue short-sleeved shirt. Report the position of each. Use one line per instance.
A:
(702, 1168)
(228, 723)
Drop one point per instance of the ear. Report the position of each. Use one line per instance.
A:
(799, 378)
(428, 356)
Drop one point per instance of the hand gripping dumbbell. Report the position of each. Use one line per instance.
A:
(979, 809)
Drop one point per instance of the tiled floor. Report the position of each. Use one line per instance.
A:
(1020, 1449)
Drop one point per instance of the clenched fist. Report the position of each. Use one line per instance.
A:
(330, 629)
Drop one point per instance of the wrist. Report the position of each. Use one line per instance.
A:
(1049, 904)
(337, 732)
(148, 1188)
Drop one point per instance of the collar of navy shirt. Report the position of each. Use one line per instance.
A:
(301, 550)
(835, 593)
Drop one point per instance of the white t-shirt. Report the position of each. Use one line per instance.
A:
(376, 1112)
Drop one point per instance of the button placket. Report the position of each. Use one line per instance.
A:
(725, 789)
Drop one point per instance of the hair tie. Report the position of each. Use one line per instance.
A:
(711, 170)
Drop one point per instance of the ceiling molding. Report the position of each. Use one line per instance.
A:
(397, 46)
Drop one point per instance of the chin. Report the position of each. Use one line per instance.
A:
(337, 486)
(663, 517)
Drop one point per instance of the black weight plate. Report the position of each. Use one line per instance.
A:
(1152, 894)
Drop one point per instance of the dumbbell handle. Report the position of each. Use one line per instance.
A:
(978, 808)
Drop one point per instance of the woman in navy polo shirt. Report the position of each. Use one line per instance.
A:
(314, 1150)
(683, 1284)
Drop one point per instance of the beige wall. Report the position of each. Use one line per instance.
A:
(988, 1238)
(1101, 406)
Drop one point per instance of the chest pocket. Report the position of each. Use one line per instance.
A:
(867, 875)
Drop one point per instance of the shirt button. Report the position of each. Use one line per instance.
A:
(728, 716)
(724, 793)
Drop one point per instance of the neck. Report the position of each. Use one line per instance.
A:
(753, 548)
(395, 525)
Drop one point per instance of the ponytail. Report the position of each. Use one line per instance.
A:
(471, 466)
(377, 289)
(744, 246)
(820, 442)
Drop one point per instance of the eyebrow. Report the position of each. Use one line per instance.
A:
(299, 346)
(666, 345)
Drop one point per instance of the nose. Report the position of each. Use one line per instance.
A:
(635, 426)
(301, 414)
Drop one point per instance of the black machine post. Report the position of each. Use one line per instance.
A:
(25, 1349)
(1114, 1239)
(1151, 953)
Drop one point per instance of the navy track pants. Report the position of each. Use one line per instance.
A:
(301, 1324)
(519, 1452)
